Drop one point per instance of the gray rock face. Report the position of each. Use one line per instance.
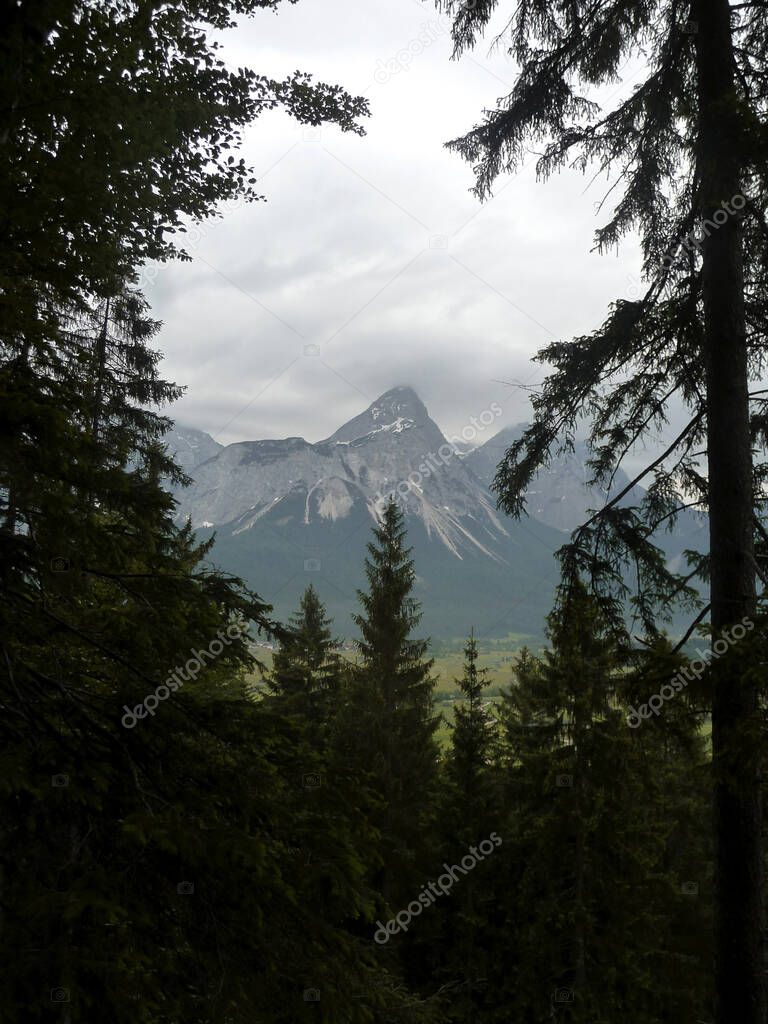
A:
(391, 447)
(396, 411)
(559, 496)
(190, 447)
(288, 512)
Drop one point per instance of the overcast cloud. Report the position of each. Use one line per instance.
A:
(371, 265)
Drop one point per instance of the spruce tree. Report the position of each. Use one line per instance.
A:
(469, 815)
(472, 737)
(390, 726)
(86, 201)
(115, 802)
(305, 669)
(594, 881)
(686, 155)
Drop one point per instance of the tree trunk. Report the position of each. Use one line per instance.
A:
(739, 983)
(99, 374)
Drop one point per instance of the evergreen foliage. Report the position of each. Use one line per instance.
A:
(472, 738)
(181, 845)
(306, 669)
(470, 812)
(389, 725)
(602, 843)
(685, 152)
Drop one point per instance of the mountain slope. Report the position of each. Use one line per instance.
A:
(368, 458)
(560, 496)
(280, 554)
(289, 512)
(191, 447)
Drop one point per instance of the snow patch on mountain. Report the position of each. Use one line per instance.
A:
(366, 458)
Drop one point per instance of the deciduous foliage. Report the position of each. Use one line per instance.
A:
(117, 123)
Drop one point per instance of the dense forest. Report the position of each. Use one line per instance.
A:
(190, 837)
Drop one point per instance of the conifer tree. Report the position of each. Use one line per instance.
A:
(122, 779)
(390, 725)
(85, 202)
(305, 669)
(469, 814)
(472, 738)
(686, 156)
(592, 883)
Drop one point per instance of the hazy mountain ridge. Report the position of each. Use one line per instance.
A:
(560, 495)
(362, 462)
(191, 447)
(289, 511)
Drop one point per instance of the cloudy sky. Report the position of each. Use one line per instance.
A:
(371, 265)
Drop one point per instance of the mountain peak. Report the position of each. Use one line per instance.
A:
(398, 403)
(396, 410)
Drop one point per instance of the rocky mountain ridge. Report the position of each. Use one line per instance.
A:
(392, 447)
(288, 511)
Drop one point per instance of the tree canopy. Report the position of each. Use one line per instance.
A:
(685, 155)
